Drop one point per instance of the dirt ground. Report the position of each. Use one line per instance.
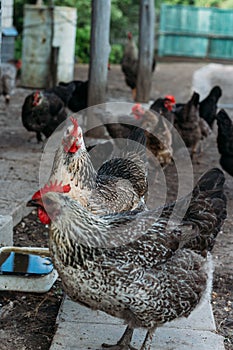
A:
(27, 321)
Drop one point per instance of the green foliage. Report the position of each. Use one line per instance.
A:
(179, 2)
(227, 4)
(18, 47)
(116, 53)
(207, 3)
(82, 47)
(124, 18)
(83, 32)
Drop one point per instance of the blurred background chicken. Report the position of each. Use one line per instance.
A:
(43, 111)
(79, 95)
(129, 64)
(208, 106)
(225, 141)
(157, 132)
(190, 126)
(165, 106)
(9, 74)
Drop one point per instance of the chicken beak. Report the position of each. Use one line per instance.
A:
(33, 203)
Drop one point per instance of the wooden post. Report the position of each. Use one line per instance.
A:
(146, 49)
(0, 34)
(52, 77)
(100, 49)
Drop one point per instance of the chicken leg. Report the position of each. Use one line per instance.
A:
(148, 340)
(124, 342)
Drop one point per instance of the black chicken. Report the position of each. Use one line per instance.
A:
(165, 107)
(225, 141)
(208, 106)
(79, 96)
(43, 111)
(129, 64)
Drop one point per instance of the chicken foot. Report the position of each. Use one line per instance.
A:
(124, 342)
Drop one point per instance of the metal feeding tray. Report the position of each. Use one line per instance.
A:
(26, 269)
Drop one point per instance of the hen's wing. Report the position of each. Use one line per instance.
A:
(197, 229)
(130, 165)
(121, 182)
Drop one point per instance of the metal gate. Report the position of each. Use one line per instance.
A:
(195, 32)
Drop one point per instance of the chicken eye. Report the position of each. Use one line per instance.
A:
(48, 201)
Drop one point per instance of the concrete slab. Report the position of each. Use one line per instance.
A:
(201, 318)
(9, 169)
(6, 230)
(13, 197)
(19, 170)
(80, 328)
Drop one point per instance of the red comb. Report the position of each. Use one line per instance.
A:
(35, 97)
(69, 141)
(170, 98)
(52, 187)
(138, 111)
(75, 124)
(136, 107)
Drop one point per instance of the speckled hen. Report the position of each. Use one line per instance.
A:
(137, 266)
(120, 184)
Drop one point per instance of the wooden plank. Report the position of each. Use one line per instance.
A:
(146, 49)
(0, 33)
